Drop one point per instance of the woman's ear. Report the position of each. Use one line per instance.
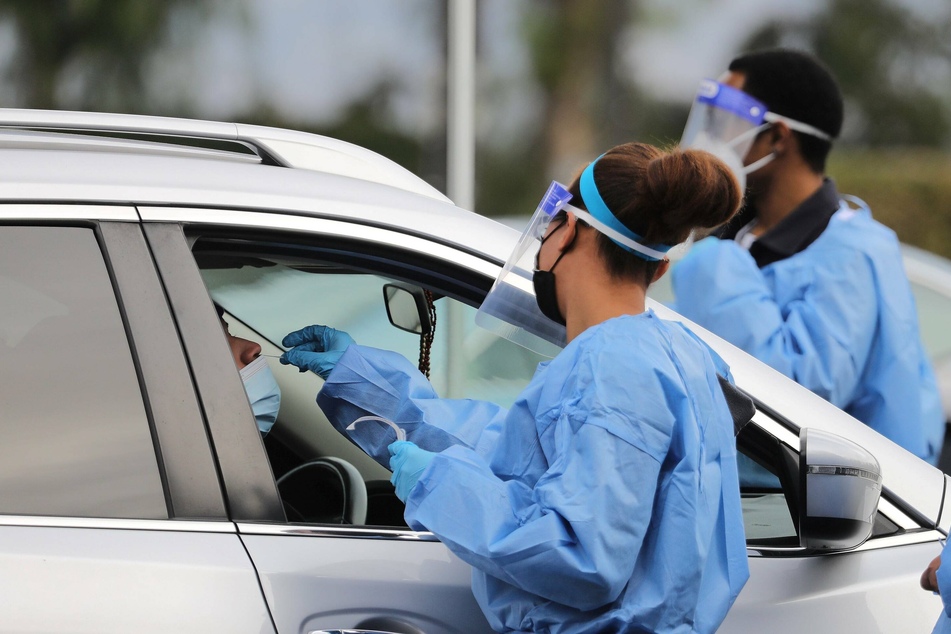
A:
(567, 237)
(662, 268)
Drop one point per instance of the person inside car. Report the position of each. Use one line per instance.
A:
(264, 393)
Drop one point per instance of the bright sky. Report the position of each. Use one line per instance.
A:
(309, 58)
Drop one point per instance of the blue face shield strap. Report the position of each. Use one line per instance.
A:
(618, 233)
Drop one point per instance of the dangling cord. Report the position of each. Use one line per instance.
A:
(426, 340)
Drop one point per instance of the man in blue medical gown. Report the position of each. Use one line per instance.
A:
(803, 278)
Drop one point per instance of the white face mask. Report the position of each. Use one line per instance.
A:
(264, 394)
(725, 152)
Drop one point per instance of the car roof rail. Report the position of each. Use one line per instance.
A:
(274, 146)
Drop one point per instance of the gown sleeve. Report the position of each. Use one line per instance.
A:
(818, 333)
(373, 382)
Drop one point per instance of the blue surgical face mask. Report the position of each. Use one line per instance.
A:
(263, 393)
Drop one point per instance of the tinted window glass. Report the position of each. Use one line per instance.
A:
(76, 440)
(766, 517)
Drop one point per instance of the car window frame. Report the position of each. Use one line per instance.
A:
(250, 489)
(182, 444)
(238, 450)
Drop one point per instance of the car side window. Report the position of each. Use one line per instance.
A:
(270, 289)
(466, 361)
(76, 438)
(767, 517)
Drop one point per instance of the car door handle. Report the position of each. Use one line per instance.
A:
(348, 632)
(379, 625)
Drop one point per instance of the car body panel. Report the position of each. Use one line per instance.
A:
(324, 578)
(853, 592)
(116, 578)
(160, 180)
(288, 148)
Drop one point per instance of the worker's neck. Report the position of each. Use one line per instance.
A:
(593, 296)
(783, 195)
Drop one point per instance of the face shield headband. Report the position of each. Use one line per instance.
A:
(744, 107)
(600, 218)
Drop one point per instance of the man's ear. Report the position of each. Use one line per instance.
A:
(782, 138)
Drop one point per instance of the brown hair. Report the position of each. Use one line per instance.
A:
(662, 195)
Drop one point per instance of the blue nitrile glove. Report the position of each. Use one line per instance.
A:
(315, 348)
(407, 463)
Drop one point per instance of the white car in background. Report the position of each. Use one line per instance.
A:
(930, 277)
(136, 493)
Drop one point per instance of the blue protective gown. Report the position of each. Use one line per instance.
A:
(605, 500)
(837, 317)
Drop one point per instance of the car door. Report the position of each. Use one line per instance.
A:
(111, 514)
(379, 576)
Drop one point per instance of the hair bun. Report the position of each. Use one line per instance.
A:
(691, 189)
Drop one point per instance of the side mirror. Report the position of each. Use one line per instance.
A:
(840, 485)
(407, 309)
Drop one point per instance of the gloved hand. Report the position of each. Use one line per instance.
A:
(316, 348)
(407, 463)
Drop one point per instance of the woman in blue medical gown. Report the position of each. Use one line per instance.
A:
(606, 498)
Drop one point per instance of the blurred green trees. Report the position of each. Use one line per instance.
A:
(908, 189)
(92, 54)
(895, 71)
(893, 66)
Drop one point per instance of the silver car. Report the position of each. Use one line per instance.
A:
(136, 492)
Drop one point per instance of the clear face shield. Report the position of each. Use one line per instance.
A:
(510, 309)
(724, 121)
